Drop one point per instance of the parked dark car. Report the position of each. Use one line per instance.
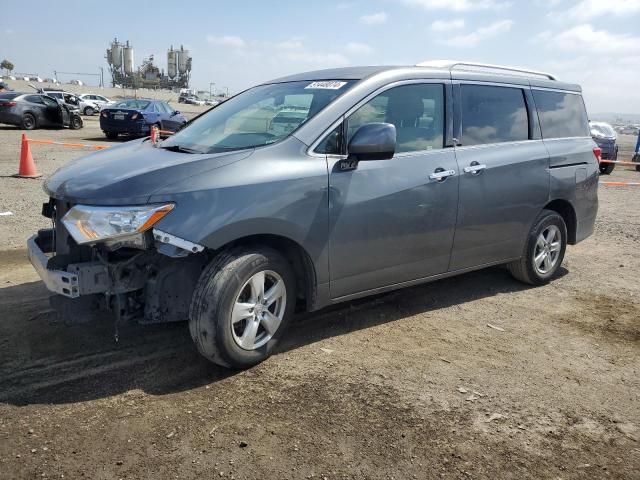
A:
(605, 136)
(136, 116)
(373, 179)
(34, 110)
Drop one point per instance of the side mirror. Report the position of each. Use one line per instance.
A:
(373, 141)
(176, 112)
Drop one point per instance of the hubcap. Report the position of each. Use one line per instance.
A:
(547, 250)
(258, 310)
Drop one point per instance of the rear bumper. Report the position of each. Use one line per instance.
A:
(77, 279)
(131, 128)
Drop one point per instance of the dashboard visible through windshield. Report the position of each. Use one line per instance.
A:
(259, 116)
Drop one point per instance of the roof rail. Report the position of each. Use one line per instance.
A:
(452, 64)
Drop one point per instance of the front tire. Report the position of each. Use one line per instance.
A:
(89, 111)
(76, 123)
(544, 250)
(241, 306)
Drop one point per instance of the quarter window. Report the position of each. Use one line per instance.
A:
(493, 115)
(561, 114)
(416, 110)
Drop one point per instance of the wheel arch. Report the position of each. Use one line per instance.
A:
(568, 213)
(295, 254)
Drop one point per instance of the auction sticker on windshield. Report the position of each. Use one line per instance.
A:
(329, 85)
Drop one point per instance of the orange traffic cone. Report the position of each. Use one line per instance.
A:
(154, 134)
(27, 167)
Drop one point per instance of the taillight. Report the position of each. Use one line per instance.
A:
(597, 151)
(104, 115)
(8, 104)
(135, 116)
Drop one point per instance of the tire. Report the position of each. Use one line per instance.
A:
(607, 168)
(29, 122)
(76, 123)
(230, 278)
(111, 135)
(89, 111)
(526, 270)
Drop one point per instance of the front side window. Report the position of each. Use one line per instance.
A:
(561, 114)
(49, 102)
(416, 110)
(260, 116)
(493, 115)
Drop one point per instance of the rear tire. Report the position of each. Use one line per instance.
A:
(544, 250)
(607, 168)
(111, 135)
(28, 122)
(241, 306)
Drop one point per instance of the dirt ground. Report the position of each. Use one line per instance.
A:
(411, 384)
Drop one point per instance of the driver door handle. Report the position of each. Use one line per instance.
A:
(474, 168)
(441, 175)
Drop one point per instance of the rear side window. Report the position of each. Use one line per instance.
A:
(561, 114)
(493, 115)
(34, 99)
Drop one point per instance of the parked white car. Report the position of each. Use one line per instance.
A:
(91, 101)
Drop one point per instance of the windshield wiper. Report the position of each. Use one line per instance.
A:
(180, 148)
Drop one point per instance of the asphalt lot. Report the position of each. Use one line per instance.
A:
(411, 384)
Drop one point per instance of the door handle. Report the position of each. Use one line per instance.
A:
(474, 168)
(442, 174)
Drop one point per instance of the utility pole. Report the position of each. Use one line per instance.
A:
(210, 83)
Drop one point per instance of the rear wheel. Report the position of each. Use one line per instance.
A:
(89, 111)
(607, 168)
(111, 135)
(544, 250)
(241, 306)
(28, 122)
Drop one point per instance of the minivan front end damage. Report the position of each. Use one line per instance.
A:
(116, 262)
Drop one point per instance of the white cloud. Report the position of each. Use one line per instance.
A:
(474, 38)
(459, 5)
(586, 9)
(356, 48)
(446, 25)
(584, 38)
(227, 40)
(374, 19)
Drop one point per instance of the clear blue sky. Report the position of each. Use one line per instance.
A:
(239, 43)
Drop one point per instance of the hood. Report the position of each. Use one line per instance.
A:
(130, 173)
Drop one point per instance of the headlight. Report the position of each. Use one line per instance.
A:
(88, 224)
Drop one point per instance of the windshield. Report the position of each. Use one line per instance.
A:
(260, 116)
(137, 104)
(603, 129)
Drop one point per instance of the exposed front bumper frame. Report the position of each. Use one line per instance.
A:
(79, 278)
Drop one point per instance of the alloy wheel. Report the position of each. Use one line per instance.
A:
(547, 249)
(258, 310)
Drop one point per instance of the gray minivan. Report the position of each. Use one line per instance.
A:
(318, 188)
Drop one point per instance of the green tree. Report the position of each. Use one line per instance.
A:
(7, 65)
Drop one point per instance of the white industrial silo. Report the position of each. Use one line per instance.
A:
(127, 56)
(172, 62)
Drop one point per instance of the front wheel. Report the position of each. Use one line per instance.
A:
(76, 123)
(544, 250)
(241, 306)
(89, 111)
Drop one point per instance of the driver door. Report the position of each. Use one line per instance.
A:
(53, 111)
(393, 221)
